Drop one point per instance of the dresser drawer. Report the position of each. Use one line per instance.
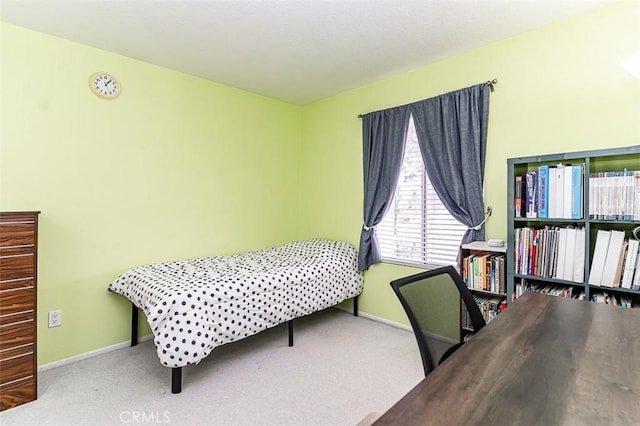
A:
(16, 352)
(16, 266)
(18, 392)
(22, 316)
(17, 234)
(16, 368)
(17, 333)
(16, 300)
(17, 284)
(13, 251)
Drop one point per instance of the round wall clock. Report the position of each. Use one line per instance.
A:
(104, 85)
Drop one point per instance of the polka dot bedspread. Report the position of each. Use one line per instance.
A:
(193, 306)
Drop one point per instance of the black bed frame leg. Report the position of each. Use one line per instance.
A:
(355, 306)
(176, 380)
(290, 324)
(134, 325)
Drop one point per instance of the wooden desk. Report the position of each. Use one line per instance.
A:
(544, 361)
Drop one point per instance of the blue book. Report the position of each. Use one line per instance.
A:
(577, 190)
(543, 191)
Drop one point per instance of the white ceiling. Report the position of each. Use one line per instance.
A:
(297, 51)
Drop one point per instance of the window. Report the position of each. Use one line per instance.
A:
(418, 229)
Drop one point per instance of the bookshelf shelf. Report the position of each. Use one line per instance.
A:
(533, 244)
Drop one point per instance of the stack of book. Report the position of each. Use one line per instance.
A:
(609, 299)
(485, 272)
(551, 252)
(616, 262)
(546, 288)
(490, 307)
(614, 195)
(550, 192)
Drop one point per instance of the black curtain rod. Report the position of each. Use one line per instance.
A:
(489, 82)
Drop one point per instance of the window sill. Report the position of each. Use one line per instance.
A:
(426, 266)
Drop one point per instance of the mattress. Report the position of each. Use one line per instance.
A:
(193, 306)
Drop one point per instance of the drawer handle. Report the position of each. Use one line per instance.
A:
(16, 289)
(16, 279)
(28, 311)
(16, 356)
(21, 379)
(16, 347)
(18, 222)
(16, 323)
(18, 246)
(16, 255)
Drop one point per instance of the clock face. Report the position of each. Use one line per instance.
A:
(104, 85)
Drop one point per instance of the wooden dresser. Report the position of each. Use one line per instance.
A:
(18, 278)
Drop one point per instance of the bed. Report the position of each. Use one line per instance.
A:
(196, 305)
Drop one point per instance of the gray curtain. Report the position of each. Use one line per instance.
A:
(452, 134)
(384, 134)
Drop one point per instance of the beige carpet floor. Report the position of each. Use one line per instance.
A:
(340, 369)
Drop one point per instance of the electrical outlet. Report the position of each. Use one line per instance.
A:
(55, 318)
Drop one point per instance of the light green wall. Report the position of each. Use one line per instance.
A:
(176, 167)
(180, 167)
(560, 89)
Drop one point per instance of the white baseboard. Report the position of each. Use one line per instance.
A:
(375, 318)
(127, 343)
(397, 324)
(91, 354)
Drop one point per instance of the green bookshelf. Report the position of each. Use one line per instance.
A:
(606, 162)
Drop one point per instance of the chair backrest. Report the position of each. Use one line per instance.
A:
(416, 295)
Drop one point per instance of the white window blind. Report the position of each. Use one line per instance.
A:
(418, 229)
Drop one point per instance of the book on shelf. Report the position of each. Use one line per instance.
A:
(551, 252)
(578, 259)
(599, 256)
(570, 253)
(630, 263)
(556, 188)
(577, 185)
(636, 195)
(617, 278)
(626, 302)
(612, 260)
(522, 286)
(519, 192)
(502, 277)
(543, 191)
(490, 307)
(567, 182)
(551, 192)
(607, 298)
(636, 276)
(531, 194)
(572, 188)
(603, 298)
(614, 195)
(626, 203)
(616, 261)
(562, 250)
(485, 271)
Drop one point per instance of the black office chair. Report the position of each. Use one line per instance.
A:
(420, 297)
